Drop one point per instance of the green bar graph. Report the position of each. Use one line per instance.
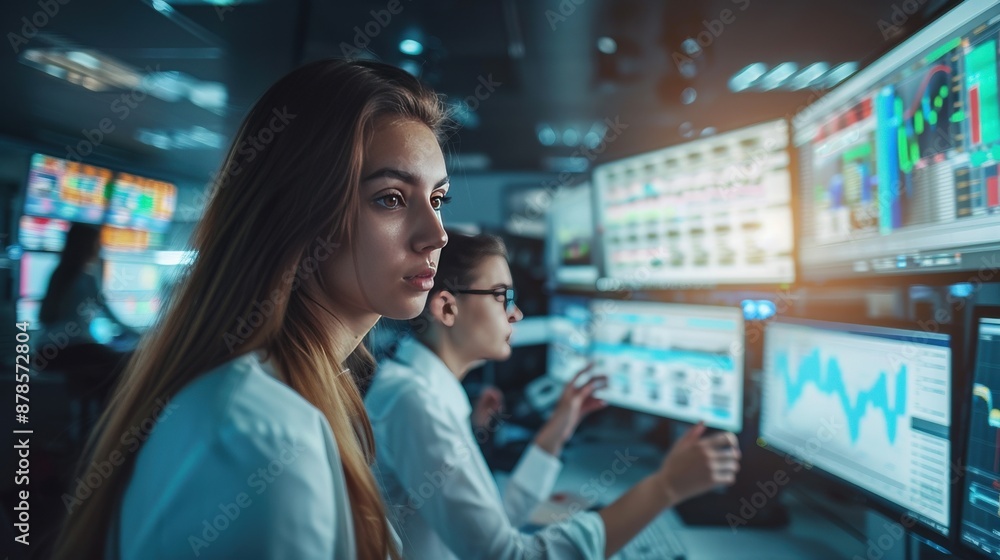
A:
(982, 76)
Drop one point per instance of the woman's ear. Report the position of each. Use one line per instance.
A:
(444, 307)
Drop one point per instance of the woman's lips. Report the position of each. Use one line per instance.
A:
(423, 281)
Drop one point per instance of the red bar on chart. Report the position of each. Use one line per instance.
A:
(974, 113)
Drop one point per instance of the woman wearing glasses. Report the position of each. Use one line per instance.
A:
(441, 497)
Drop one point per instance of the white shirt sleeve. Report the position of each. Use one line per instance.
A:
(531, 483)
(432, 458)
(247, 494)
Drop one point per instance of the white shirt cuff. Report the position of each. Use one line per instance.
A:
(536, 472)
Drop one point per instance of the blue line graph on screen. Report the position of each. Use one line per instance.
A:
(831, 382)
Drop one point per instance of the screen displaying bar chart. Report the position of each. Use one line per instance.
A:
(898, 165)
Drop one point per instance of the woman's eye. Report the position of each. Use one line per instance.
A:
(438, 202)
(390, 201)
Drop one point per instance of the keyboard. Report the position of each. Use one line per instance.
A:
(657, 541)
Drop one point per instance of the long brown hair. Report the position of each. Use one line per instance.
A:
(279, 198)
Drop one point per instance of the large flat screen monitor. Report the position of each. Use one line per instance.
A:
(898, 164)
(132, 287)
(570, 242)
(870, 405)
(980, 517)
(140, 203)
(66, 190)
(712, 211)
(42, 234)
(678, 361)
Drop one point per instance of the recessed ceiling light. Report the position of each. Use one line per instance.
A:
(570, 137)
(83, 59)
(778, 75)
(840, 73)
(546, 135)
(808, 76)
(411, 47)
(689, 95)
(607, 45)
(747, 76)
(690, 46)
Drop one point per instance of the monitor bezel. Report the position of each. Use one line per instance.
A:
(979, 312)
(552, 249)
(882, 505)
(869, 278)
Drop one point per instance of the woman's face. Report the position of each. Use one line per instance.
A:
(403, 186)
(483, 327)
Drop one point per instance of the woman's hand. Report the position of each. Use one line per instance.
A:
(697, 464)
(488, 405)
(574, 404)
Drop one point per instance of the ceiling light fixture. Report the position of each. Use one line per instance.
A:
(746, 77)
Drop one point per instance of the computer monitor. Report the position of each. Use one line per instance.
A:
(125, 240)
(29, 310)
(36, 270)
(870, 405)
(569, 344)
(572, 258)
(42, 234)
(66, 190)
(683, 362)
(132, 287)
(712, 211)
(898, 164)
(980, 518)
(141, 203)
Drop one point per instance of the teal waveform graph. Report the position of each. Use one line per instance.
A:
(829, 380)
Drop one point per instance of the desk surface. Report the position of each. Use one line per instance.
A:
(589, 470)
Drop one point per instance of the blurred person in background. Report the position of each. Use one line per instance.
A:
(72, 301)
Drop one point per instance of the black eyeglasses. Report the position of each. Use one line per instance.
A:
(506, 293)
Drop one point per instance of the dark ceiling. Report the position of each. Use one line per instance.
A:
(542, 55)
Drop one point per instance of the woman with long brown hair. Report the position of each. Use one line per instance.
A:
(238, 430)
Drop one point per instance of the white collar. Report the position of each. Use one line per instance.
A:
(422, 361)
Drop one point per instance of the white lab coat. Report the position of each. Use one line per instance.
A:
(238, 465)
(442, 498)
